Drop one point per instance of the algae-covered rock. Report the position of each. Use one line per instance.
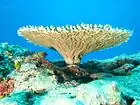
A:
(94, 93)
(57, 100)
(8, 53)
(129, 85)
(32, 78)
(136, 102)
(17, 98)
(100, 93)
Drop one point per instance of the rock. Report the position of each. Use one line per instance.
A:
(17, 98)
(113, 64)
(1, 58)
(100, 75)
(136, 102)
(32, 78)
(128, 85)
(94, 93)
(8, 53)
(123, 70)
(100, 93)
(57, 100)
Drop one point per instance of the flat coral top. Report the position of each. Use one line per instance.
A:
(82, 32)
(70, 29)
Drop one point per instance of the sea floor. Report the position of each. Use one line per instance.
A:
(23, 81)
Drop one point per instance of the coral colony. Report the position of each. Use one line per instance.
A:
(72, 42)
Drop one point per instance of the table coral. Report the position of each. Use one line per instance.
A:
(72, 42)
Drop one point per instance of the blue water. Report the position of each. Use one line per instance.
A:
(118, 13)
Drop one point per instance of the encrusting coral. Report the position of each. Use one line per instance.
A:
(72, 42)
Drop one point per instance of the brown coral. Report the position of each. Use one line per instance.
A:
(72, 42)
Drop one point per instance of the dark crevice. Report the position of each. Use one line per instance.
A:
(129, 100)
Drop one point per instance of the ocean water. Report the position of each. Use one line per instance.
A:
(119, 13)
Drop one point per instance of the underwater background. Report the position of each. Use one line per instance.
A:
(119, 13)
(107, 77)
